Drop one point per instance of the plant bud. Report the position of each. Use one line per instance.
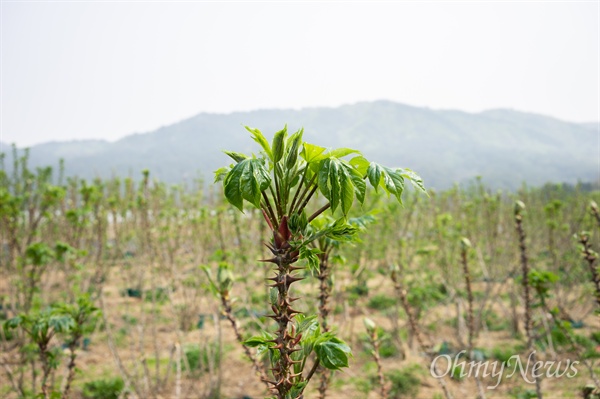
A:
(369, 324)
(465, 243)
(519, 207)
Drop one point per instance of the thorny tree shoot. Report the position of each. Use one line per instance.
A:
(282, 181)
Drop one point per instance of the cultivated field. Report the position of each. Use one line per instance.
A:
(122, 289)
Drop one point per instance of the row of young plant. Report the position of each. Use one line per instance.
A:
(67, 243)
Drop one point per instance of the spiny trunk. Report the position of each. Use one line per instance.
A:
(286, 340)
(324, 292)
(590, 258)
(71, 374)
(527, 297)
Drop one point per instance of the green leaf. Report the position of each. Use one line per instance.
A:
(232, 187)
(297, 389)
(310, 330)
(346, 190)
(339, 182)
(212, 286)
(334, 182)
(293, 146)
(262, 175)
(256, 341)
(323, 179)
(332, 352)
(361, 164)
(391, 180)
(260, 139)
(61, 249)
(262, 345)
(224, 278)
(39, 254)
(246, 181)
(374, 173)
(360, 187)
(221, 173)
(394, 183)
(250, 186)
(13, 323)
(307, 325)
(278, 146)
(362, 221)
(340, 230)
(236, 156)
(295, 178)
(341, 152)
(312, 258)
(297, 223)
(61, 323)
(310, 152)
(414, 178)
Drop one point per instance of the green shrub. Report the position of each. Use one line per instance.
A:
(387, 349)
(560, 340)
(404, 382)
(503, 353)
(109, 388)
(6, 333)
(159, 295)
(589, 346)
(455, 373)
(520, 393)
(357, 291)
(495, 322)
(381, 302)
(198, 358)
(363, 385)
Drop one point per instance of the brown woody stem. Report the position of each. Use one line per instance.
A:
(590, 258)
(269, 209)
(463, 254)
(276, 197)
(313, 370)
(308, 197)
(527, 296)
(229, 314)
(306, 188)
(414, 326)
(319, 211)
(71, 367)
(377, 358)
(298, 190)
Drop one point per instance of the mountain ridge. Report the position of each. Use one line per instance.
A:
(504, 146)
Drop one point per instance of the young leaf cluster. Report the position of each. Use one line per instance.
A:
(288, 172)
(330, 351)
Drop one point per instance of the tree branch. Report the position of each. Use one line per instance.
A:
(270, 209)
(312, 370)
(308, 197)
(308, 186)
(319, 211)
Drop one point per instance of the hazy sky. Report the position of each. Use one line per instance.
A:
(75, 70)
